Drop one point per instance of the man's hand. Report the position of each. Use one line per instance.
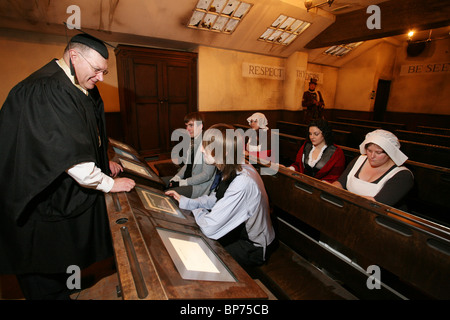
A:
(115, 168)
(174, 195)
(123, 184)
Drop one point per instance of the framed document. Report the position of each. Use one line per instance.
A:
(153, 200)
(122, 146)
(193, 257)
(125, 154)
(136, 167)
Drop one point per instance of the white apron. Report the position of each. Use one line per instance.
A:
(364, 188)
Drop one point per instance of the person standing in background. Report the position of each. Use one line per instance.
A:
(313, 102)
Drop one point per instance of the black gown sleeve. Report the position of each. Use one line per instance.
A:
(396, 188)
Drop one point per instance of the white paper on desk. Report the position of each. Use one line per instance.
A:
(193, 256)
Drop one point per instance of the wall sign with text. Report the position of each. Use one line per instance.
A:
(307, 75)
(252, 70)
(428, 68)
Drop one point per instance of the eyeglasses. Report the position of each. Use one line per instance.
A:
(96, 70)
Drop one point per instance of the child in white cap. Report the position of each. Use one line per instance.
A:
(255, 145)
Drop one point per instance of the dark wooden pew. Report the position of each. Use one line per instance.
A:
(344, 133)
(412, 253)
(289, 276)
(289, 144)
(434, 130)
(289, 147)
(358, 132)
(390, 126)
(308, 281)
(428, 138)
(341, 137)
(432, 183)
(426, 153)
(437, 155)
(416, 151)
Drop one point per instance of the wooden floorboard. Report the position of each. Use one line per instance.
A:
(294, 278)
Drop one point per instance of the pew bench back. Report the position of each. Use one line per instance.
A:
(432, 183)
(414, 249)
(435, 130)
(390, 126)
(423, 137)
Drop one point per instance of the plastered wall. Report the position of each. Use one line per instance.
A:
(22, 53)
(222, 86)
(358, 78)
(424, 92)
(424, 86)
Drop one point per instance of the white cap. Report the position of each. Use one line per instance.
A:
(261, 118)
(388, 142)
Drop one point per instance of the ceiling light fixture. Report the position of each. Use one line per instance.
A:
(284, 30)
(218, 15)
(309, 4)
(342, 49)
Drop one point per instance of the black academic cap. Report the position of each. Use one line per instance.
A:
(92, 42)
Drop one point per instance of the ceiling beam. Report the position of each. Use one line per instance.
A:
(396, 16)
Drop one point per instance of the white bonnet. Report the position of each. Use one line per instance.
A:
(261, 118)
(388, 142)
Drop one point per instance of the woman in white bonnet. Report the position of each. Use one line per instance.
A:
(258, 122)
(378, 173)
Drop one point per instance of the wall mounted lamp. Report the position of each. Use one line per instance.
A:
(309, 4)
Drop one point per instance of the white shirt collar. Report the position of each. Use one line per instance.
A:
(66, 69)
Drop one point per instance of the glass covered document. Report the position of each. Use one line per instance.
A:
(153, 200)
(193, 258)
(121, 145)
(124, 153)
(136, 167)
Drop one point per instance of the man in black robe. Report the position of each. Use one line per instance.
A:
(313, 102)
(54, 171)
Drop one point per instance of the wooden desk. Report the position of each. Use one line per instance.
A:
(145, 267)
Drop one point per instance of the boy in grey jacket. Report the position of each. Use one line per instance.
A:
(195, 177)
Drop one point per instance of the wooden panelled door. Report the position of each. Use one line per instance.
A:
(157, 88)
